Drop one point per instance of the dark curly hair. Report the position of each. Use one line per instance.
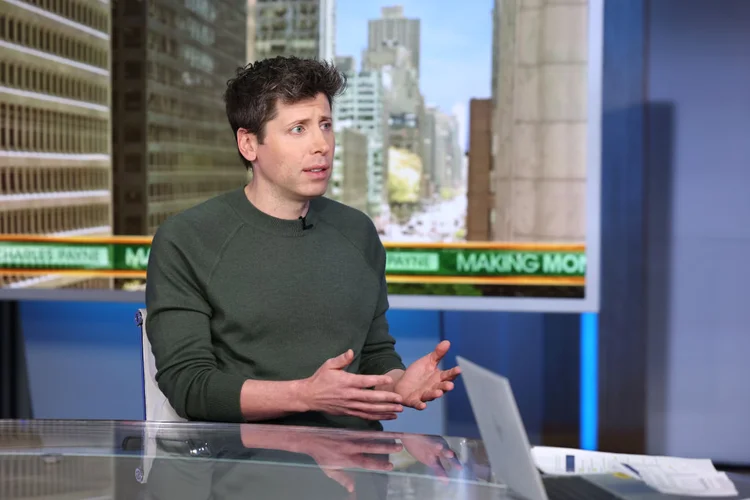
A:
(251, 96)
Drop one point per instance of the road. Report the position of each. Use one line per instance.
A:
(439, 222)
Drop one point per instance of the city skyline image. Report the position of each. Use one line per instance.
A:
(430, 60)
(462, 132)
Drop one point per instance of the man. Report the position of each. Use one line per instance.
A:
(268, 303)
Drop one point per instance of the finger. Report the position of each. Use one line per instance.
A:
(440, 351)
(432, 395)
(341, 477)
(375, 407)
(387, 436)
(372, 416)
(417, 405)
(373, 463)
(446, 386)
(341, 361)
(374, 396)
(450, 455)
(365, 381)
(451, 374)
(371, 448)
(415, 402)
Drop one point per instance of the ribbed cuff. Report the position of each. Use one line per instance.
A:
(223, 397)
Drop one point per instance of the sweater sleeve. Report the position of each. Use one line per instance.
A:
(178, 327)
(379, 354)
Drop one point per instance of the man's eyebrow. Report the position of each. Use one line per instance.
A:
(305, 121)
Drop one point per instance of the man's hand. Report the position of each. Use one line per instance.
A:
(332, 390)
(333, 450)
(432, 451)
(423, 381)
(335, 454)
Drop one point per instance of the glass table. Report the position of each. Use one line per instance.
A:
(150, 460)
(100, 460)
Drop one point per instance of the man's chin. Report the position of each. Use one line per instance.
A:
(315, 191)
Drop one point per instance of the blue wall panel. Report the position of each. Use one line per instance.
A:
(507, 343)
(83, 360)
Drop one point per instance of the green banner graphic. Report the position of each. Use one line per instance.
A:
(84, 256)
(54, 256)
(481, 262)
(400, 261)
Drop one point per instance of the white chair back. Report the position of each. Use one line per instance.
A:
(157, 405)
(158, 408)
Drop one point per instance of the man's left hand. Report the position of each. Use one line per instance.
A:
(433, 451)
(424, 381)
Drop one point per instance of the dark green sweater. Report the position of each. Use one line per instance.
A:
(234, 294)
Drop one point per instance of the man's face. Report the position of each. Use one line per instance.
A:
(296, 156)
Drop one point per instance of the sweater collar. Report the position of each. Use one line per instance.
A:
(261, 220)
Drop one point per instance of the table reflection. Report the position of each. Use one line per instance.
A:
(73, 459)
(282, 462)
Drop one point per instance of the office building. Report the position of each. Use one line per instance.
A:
(442, 155)
(362, 108)
(250, 34)
(442, 159)
(173, 145)
(427, 131)
(393, 50)
(539, 121)
(55, 155)
(479, 190)
(349, 181)
(302, 28)
(345, 64)
(394, 29)
(403, 99)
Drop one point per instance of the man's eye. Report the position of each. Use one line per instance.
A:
(298, 129)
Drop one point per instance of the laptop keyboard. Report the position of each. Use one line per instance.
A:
(575, 488)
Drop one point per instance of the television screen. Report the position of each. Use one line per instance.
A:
(470, 136)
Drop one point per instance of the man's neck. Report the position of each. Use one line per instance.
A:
(274, 204)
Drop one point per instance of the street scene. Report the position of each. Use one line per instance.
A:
(437, 221)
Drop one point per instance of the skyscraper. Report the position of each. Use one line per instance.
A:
(479, 211)
(302, 28)
(539, 121)
(349, 182)
(173, 145)
(393, 29)
(55, 163)
(250, 37)
(447, 153)
(393, 51)
(362, 108)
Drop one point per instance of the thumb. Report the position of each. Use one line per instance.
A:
(440, 351)
(341, 361)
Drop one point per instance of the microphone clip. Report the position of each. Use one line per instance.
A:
(305, 225)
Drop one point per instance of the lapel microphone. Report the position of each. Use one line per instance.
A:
(305, 225)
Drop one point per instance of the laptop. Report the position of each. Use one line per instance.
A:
(509, 451)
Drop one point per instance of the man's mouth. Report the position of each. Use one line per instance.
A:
(316, 169)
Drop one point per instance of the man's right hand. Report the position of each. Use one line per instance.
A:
(336, 392)
(334, 454)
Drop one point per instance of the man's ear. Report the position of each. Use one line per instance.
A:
(247, 143)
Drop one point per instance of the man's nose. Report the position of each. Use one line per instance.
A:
(321, 144)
